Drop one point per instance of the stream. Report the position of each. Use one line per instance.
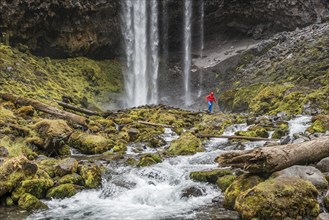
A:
(157, 191)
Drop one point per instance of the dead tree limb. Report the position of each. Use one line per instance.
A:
(274, 158)
(236, 137)
(77, 109)
(45, 108)
(156, 124)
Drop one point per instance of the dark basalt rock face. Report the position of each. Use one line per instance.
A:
(92, 28)
(63, 28)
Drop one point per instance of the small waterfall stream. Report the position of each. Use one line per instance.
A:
(187, 50)
(154, 192)
(201, 43)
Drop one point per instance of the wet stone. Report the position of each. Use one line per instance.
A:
(192, 192)
(3, 152)
(323, 165)
(29, 168)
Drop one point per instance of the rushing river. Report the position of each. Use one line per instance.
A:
(154, 192)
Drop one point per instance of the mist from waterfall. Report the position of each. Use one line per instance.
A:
(142, 59)
(187, 51)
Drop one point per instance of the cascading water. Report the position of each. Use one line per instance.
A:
(187, 50)
(201, 43)
(139, 68)
(165, 29)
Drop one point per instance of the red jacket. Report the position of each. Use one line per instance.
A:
(211, 98)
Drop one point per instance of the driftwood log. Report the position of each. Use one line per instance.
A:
(45, 108)
(236, 137)
(155, 124)
(274, 158)
(77, 109)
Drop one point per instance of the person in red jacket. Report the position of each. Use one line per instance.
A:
(210, 99)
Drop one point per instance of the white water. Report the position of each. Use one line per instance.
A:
(141, 54)
(151, 192)
(299, 124)
(187, 51)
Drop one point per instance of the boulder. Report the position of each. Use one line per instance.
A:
(72, 178)
(63, 191)
(323, 216)
(29, 168)
(192, 192)
(35, 187)
(66, 166)
(279, 198)
(186, 144)
(149, 159)
(304, 172)
(225, 181)
(91, 174)
(209, 176)
(323, 165)
(89, 143)
(30, 202)
(3, 152)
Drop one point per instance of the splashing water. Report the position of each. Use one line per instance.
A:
(187, 50)
(299, 124)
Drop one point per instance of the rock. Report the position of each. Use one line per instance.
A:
(25, 111)
(251, 120)
(209, 176)
(191, 192)
(186, 144)
(323, 165)
(35, 187)
(90, 144)
(47, 164)
(279, 198)
(3, 152)
(91, 174)
(304, 172)
(29, 168)
(240, 185)
(285, 140)
(320, 124)
(254, 131)
(225, 181)
(66, 166)
(149, 159)
(133, 133)
(74, 178)
(63, 191)
(30, 202)
(323, 216)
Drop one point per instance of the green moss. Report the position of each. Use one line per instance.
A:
(254, 131)
(225, 181)
(71, 178)
(9, 201)
(279, 198)
(186, 144)
(149, 159)
(63, 191)
(35, 187)
(48, 165)
(320, 124)
(241, 184)
(89, 143)
(30, 202)
(92, 175)
(209, 176)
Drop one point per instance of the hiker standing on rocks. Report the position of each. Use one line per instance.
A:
(210, 99)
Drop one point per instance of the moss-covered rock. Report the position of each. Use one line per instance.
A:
(35, 187)
(209, 176)
(186, 144)
(241, 184)
(66, 166)
(92, 175)
(48, 165)
(320, 124)
(254, 131)
(281, 131)
(149, 159)
(225, 181)
(279, 198)
(89, 143)
(72, 178)
(30, 202)
(63, 191)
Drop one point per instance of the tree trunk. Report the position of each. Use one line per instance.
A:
(77, 109)
(236, 137)
(274, 158)
(155, 124)
(45, 108)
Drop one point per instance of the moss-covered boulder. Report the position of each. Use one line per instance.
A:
(92, 175)
(48, 165)
(241, 184)
(66, 166)
(90, 143)
(279, 198)
(254, 131)
(320, 123)
(149, 159)
(72, 178)
(209, 176)
(30, 202)
(36, 187)
(225, 181)
(186, 144)
(281, 130)
(63, 191)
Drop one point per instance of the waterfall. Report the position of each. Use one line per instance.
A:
(165, 29)
(187, 50)
(154, 44)
(141, 54)
(201, 43)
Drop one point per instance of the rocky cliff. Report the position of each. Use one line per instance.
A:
(92, 28)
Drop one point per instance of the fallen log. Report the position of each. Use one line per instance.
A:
(156, 124)
(236, 137)
(274, 158)
(45, 108)
(77, 109)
